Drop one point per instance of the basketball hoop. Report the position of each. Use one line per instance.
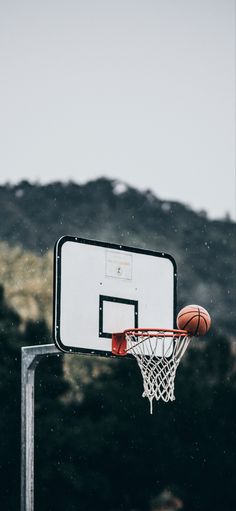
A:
(158, 353)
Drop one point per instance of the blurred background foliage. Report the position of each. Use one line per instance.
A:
(96, 444)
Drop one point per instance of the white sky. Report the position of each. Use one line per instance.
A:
(142, 91)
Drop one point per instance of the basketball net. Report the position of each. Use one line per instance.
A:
(158, 353)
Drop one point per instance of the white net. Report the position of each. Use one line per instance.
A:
(158, 356)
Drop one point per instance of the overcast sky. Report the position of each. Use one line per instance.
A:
(138, 90)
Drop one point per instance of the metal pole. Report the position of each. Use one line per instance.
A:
(30, 357)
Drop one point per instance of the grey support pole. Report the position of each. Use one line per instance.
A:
(30, 357)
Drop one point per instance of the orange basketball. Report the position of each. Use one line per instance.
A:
(195, 319)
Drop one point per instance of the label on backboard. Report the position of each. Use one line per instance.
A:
(118, 265)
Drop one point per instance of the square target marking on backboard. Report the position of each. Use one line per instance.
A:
(115, 313)
(102, 287)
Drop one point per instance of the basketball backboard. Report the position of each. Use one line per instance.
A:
(101, 288)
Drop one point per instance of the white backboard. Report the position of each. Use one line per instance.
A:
(101, 288)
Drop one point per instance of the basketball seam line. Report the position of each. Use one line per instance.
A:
(189, 321)
(192, 317)
(204, 319)
(197, 327)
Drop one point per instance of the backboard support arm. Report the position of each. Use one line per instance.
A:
(30, 357)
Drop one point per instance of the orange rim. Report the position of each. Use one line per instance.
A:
(156, 332)
(119, 339)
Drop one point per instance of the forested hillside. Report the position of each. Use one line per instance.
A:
(34, 216)
(96, 445)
